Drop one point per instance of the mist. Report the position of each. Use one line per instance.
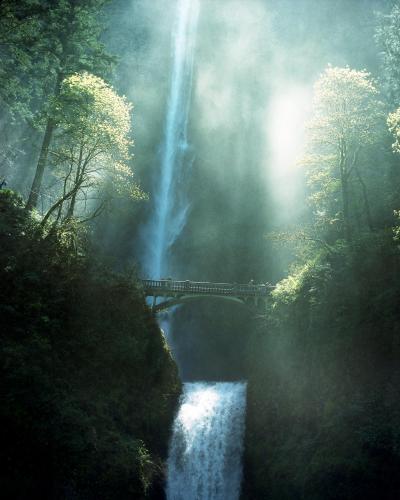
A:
(255, 65)
(204, 304)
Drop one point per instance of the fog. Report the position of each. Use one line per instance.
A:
(255, 64)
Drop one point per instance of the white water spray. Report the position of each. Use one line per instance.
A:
(205, 454)
(171, 204)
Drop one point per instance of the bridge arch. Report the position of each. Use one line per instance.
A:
(172, 293)
(170, 302)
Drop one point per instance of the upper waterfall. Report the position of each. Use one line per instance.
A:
(170, 200)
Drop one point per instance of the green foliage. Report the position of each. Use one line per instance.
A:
(388, 38)
(88, 107)
(323, 415)
(323, 411)
(287, 291)
(19, 27)
(40, 40)
(88, 385)
(91, 148)
(346, 107)
(44, 42)
(393, 122)
(347, 118)
(396, 229)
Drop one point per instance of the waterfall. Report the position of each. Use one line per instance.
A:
(205, 453)
(171, 203)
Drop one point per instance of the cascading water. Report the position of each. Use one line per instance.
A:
(171, 204)
(205, 454)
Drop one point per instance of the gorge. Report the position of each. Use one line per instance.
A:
(162, 163)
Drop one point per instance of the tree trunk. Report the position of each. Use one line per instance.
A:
(58, 203)
(71, 207)
(44, 152)
(345, 194)
(78, 181)
(346, 210)
(41, 165)
(366, 201)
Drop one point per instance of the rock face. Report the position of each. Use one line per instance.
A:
(89, 389)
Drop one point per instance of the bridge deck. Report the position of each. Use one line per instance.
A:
(172, 288)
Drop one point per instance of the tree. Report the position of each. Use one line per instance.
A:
(20, 39)
(70, 44)
(388, 39)
(393, 122)
(91, 148)
(346, 119)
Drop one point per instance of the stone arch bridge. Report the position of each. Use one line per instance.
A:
(172, 293)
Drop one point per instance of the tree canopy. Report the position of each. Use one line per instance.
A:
(347, 118)
(91, 149)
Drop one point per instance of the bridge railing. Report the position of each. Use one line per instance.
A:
(201, 287)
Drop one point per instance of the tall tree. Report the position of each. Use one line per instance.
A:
(90, 153)
(70, 43)
(346, 118)
(393, 122)
(20, 37)
(388, 38)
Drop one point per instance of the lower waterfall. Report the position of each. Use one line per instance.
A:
(205, 454)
